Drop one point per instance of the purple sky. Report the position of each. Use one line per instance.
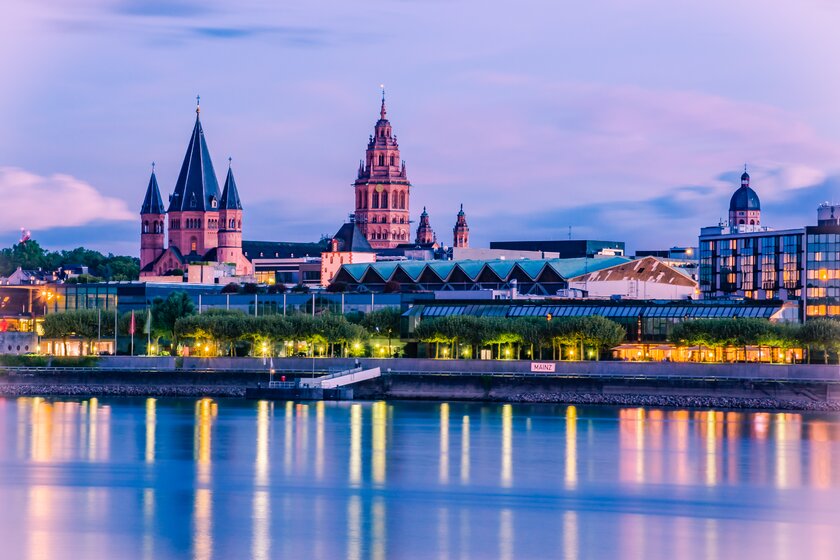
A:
(627, 120)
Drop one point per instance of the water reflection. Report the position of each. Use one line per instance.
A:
(571, 447)
(260, 506)
(443, 468)
(206, 480)
(205, 412)
(465, 450)
(507, 445)
(379, 437)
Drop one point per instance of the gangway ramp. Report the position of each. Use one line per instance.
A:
(342, 378)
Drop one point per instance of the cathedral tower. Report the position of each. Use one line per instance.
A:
(382, 189)
(461, 230)
(425, 234)
(194, 206)
(152, 217)
(744, 206)
(230, 227)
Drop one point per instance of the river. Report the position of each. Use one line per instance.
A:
(227, 478)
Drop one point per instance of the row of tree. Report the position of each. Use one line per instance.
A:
(463, 336)
(29, 255)
(719, 334)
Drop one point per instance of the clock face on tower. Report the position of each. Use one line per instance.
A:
(379, 188)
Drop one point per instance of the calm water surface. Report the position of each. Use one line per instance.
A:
(183, 478)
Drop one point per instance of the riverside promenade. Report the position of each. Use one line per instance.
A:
(742, 385)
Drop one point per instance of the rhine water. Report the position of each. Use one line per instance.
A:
(203, 478)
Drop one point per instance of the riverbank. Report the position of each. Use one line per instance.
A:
(669, 393)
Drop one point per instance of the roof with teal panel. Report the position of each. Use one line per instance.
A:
(569, 268)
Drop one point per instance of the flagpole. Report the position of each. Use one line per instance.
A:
(131, 329)
(149, 332)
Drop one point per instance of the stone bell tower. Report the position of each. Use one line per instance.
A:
(382, 189)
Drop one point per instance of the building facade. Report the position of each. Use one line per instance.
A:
(203, 224)
(744, 260)
(461, 231)
(382, 189)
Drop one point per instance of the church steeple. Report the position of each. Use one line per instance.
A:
(425, 234)
(152, 216)
(382, 188)
(461, 230)
(152, 202)
(230, 196)
(197, 188)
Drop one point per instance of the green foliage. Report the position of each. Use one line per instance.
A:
(83, 323)
(385, 321)
(30, 255)
(335, 332)
(166, 312)
(596, 332)
(24, 361)
(822, 334)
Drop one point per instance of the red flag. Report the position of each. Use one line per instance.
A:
(132, 327)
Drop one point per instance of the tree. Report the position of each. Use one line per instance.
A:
(823, 334)
(600, 333)
(166, 312)
(385, 322)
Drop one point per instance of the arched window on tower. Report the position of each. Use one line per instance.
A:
(402, 200)
(145, 227)
(392, 160)
(375, 200)
(381, 159)
(385, 199)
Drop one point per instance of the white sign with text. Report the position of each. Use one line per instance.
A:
(542, 367)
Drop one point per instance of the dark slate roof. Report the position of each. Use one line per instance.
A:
(197, 187)
(175, 251)
(744, 199)
(152, 204)
(351, 239)
(281, 250)
(230, 196)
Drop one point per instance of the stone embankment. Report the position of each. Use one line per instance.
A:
(674, 401)
(113, 390)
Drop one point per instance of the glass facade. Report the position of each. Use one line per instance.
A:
(762, 265)
(823, 271)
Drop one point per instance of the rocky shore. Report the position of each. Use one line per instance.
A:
(113, 390)
(566, 397)
(674, 401)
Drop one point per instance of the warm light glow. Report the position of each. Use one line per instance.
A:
(507, 445)
(443, 474)
(355, 443)
(465, 450)
(151, 414)
(380, 417)
(571, 447)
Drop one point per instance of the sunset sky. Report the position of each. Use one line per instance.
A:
(626, 120)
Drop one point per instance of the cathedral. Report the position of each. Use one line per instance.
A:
(383, 194)
(204, 225)
(382, 189)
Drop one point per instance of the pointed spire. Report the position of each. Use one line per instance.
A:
(197, 105)
(197, 188)
(230, 195)
(382, 111)
(152, 202)
(745, 177)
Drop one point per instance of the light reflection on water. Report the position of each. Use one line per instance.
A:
(174, 478)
